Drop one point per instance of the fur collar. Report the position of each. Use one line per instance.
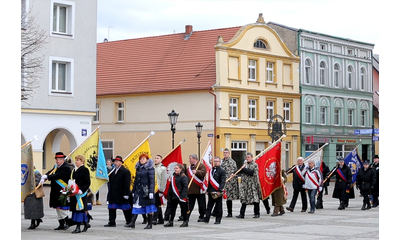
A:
(147, 165)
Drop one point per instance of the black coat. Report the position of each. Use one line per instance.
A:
(325, 171)
(120, 184)
(144, 178)
(181, 182)
(82, 179)
(220, 178)
(297, 181)
(366, 179)
(340, 184)
(62, 173)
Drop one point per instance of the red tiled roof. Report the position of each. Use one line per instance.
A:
(161, 63)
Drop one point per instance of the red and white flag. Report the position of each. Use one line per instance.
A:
(173, 158)
(207, 161)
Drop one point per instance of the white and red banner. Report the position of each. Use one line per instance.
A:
(173, 158)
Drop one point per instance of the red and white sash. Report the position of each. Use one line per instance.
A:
(314, 177)
(300, 173)
(213, 182)
(176, 191)
(197, 180)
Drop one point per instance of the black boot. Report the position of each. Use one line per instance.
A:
(341, 206)
(77, 229)
(184, 224)
(368, 205)
(32, 226)
(86, 226)
(229, 208)
(169, 224)
(66, 225)
(364, 206)
(144, 219)
(61, 224)
(242, 211)
(38, 221)
(132, 223)
(149, 221)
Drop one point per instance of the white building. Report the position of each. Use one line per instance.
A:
(61, 109)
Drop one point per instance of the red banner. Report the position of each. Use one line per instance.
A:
(269, 171)
(169, 162)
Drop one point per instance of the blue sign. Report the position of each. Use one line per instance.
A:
(84, 132)
(375, 138)
(365, 131)
(356, 132)
(210, 135)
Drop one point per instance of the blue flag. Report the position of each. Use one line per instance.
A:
(101, 171)
(354, 162)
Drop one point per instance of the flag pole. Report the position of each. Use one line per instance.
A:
(140, 144)
(312, 154)
(34, 138)
(198, 163)
(82, 143)
(269, 148)
(204, 153)
(174, 148)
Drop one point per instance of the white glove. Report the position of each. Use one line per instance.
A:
(44, 177)
(151, 196)
(41, 182)
(126, 197)
(304, 186)
(133, 194)
(160, 194)
(320, 189)
(80, 192)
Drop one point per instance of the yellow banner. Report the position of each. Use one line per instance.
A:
(27, 171)
(90, 149)
(131, 160)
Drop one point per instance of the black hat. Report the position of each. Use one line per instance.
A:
(59, 155)
(340, 159)
(366, 161)
(119, 158)
(376, 156)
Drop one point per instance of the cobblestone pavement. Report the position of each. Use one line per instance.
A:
(327, 223)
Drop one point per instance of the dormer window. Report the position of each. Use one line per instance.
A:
(260, 44)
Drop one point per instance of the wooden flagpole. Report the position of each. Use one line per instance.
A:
(184, 140)
(307, 158)
(269, 148)
(34, 138)
(140, 144)
(198, 163)
(82, 143)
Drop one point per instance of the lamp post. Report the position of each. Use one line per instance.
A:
(173, 118)
(199, 127)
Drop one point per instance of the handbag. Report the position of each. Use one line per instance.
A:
(39, 193)
(145, 191)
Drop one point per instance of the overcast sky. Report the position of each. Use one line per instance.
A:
(126, 19)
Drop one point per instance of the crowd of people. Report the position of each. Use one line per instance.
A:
(227, 180)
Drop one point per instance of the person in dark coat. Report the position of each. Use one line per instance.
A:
(118, 198)
(366, 180)
(298, 171)
(375, 190)
(342, 183)
(325, 171)
(216, 185)
(196, 191)
(78, 202)
(59, 176)
(177, 195)
(33, 206)
(143, 191)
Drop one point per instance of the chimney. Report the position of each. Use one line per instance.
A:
(188, 31)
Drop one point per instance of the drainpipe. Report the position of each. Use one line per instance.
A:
(215, 117)
(301, 98)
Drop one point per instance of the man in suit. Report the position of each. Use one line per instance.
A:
(298, 171)
(196, 189)
(120, 181)
(216, 184)
(59, 176)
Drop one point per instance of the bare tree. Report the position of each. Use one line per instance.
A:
(33, 41)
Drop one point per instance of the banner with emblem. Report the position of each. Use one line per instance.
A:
(130, 161)
(269, 167)
(95, 161)
(354, 162)
(27, 171)
(207, 160)
(170, 161)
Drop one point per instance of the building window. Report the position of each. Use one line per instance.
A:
(349, 76)
(96, 117)
(308, 71)
(350, 117)
(307, 113)
(63, 15)
(323, 47)
(350, 52)
(252, 70)
(363, 118)
(252, 109)
(323, 116)
(287, 155)
(61, 72)
(270, 109)
(336, 75)
(362, 78)
(108, 149)
(238, 153)
(322, 73)
(260, 44)
(233, 108)
(120, 112)
(336, 117)
(286, 111)
(270, 72)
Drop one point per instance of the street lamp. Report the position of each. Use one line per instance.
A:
(199, 127)
(173, 117)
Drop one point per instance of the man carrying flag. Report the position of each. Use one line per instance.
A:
(196, 189)
(342, 184)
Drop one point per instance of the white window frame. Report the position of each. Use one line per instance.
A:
(350, 76)
(69, 78)
(308, 114)
(362, 78)
(96, 117)
(323, 113)
(252, 109)
(363, 118)
(106, 147)
(120, 111)
(336, 75)
(308, 71)
(70, 18)
(286, 111)
(350, 117)
(270, 110)
(233, 108)
(322, 73)
(252, 70)
(269, 73)
(336, 116)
